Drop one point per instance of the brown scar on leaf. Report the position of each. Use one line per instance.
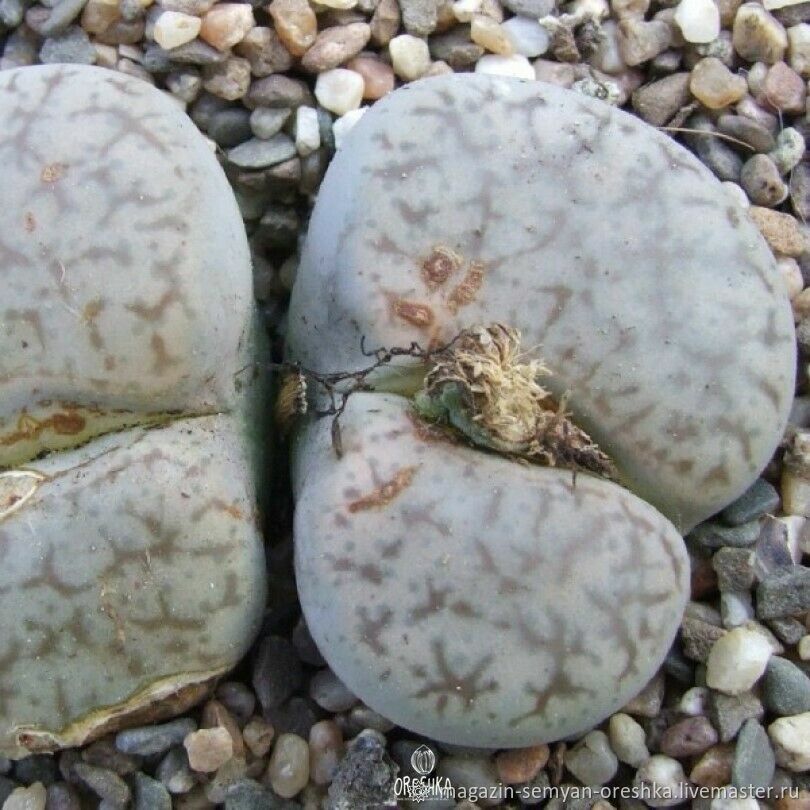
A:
(52, 172)
(385, 493)
(415, 313)
(465, 292)
(439, 266)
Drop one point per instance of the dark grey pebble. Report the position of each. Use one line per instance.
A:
(754, 762)
(679, 667)
(258, 153)
(196, 52)
(761, 498)
(762, 182)
(62, 796)
(36, 768)
(698, 637)
(268, 121)
(734, 568)
(787, 630)
(785, 595)
(246, 794)
(750, 132)
(785, 688)
(296, 716)
(149, 794)
(237, 699)
(456, 48)
(230, 127)
(106, 784)
(277, 671)
(715, 535)
(729, 712)
(304, 645)
(184, 83)
(174, 772)
(104, 754)
(62, 15)
(5, 765)
(716, 155)
(530, 8)
(773, 553)
(279, 91)
(365, 776)
(149, 740)
(7, 786)
(362, 717)
(330, 693)
(73, 46)
(793, 15)
(156, 60)
(419, 17)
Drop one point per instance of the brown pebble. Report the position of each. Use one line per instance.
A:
(378, 76)
(334, 46)
(265, 51)
(258, 735)
(325, 751)
(688, 737)
(800, 802)
(208, 749)
(215, 714)
(781, 231)
(713, 769)
(385, 22)
(226, 24)
(714, 85)
(521, 764)
(784, 89)
(296, 24)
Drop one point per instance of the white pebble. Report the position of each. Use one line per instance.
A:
(515, 65)
(343, 5)
(30, 798)
(172, 29)
(465, 10)
(344, 124)
(307, 131)
(628, 739)
(737, 660)
(592, 760)
(791, 741)
(804, 648)
(528, 37)
(660, 781)
(410, 57)
(699, 20)
(339, 90)
(693, 701)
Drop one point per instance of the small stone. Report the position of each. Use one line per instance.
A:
(36, 768)
(72, 46)
(185, 84)
(226, 24)
(378, 76)
(329, 692)
(384, 22)
(528, 37)
(365, 776)
(663, 781)
(785, 89)
(104, 783)
(757, 35)
(196, 52)
(530, 8)
(410, 56)
(516, 65)
(61, 16)
(729, 712)
(302, 639)
(737, 661)
(229, 79)
(688, 737)
(247, 794)
(799, 49)
(343, 125)
(736, 608)
(640, 41)
(208, 749)
(628, 740)
(761, 498)
(419, 16)
(277, 671)
(295, 23)
(713, 535)
(149, 794)
(592, 760)
(258, 154)
(694, 701)
(487, 33)
(465, 10)
(173, 29)
(699, 20)
(288, 771)
(783, 234)
(785, 688)
(325, 751)
(658, 102)
(788, 630)
(456, 48)
(754, 762)
(265, 122)
(265, 52)
(230, 127)
(759, 138)
(735, 568)
(149, 740)
(698, 637)
(26, 798)
(714, 85)
(362, 717)
(258, 736)
(307, 130)
(520, 765)
(334, 46)
(339, 90)
(173, 771)
(713, 769)
(647, 703)
(103, 754)
(789, 151)
(469, 771)
(790, 737)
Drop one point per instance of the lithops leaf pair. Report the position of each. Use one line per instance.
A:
(132, 565)
(464, 594)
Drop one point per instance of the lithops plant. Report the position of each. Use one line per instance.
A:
(466, 594)
(133, 568)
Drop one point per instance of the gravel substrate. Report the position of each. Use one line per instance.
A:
(276, 88)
